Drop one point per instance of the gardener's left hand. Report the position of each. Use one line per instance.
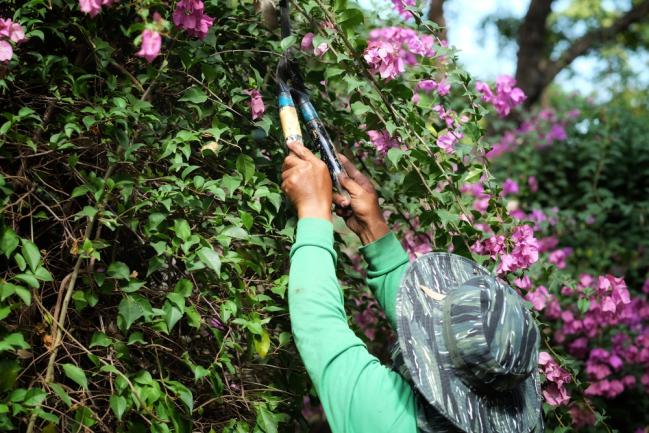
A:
(306, 182)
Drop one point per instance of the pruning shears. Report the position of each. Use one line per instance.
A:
(291, 89)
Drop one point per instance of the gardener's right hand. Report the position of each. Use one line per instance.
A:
(306, 182)
(363, 215)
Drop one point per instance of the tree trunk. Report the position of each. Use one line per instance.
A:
(535, 70)
(533, 51)
(436, 14)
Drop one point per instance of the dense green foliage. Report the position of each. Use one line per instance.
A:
(144, 237)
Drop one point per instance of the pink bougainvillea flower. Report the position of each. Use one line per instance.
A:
(6, 51)
(556, 395)
(557, 133)
(582, 417)
(538, 298)
(307, 42)
(427, 85)
(93, 7)
(554, 390)
(408, 43)
(384, 59)
(510, 187)
(90, 7)
(481, 203)
(506, 97)
(382, 140)
(558, 257)
(443, 87)
(523, 282)
(321, 49)
(401, 5)
(151, 43)
(485, 90)
(257, 107)
(189, 15)
(533, 183)
(12, 30)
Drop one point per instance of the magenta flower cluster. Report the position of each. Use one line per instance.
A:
(389, 49)
(523, 252)
(401, 5)
(382, 140)
(506, 97)
(383, 59)
(554, 391)
(151, 44)
(93, 7)
(256, 103)
(545, 128)
(450, 119)
(481, 198)
(307, 45)
(190, 16)
(9, 32)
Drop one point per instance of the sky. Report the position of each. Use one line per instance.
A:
(484, 59)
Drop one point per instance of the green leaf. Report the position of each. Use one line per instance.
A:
(195, 95)
(447, 217)
(132, 286)
(118, 406)
(31, 254)
(262, 343)
(34, 397)
(245, 166)
(13, 341)
(118, 270)
(9, 370)
(266, 420)
(394, 155)
(182, 230)
(285, 338)
(24, 294)
(61, 394)
(583, 305)
(99, 339)
(28, 279)
(4, 312)
(172, 315)
(43, 274)
(210, 258)
(184, 394)
(130, 311)
(8, 241)
(76, 374)
(183, 287)
(287, 42)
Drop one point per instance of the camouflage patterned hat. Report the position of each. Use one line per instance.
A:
(470, 345)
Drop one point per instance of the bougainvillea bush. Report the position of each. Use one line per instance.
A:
(144, 239)
(577, 170)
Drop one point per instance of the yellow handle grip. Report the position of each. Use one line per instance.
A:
(290, 124)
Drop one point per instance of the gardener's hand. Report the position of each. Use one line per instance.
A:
(306, 182)
(363, 216)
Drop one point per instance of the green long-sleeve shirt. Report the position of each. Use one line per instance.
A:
(359, 395)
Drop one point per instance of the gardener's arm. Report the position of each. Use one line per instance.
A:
(386, 263)
(385, 257)
(347, 378)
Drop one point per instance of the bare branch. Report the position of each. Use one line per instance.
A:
(597, 37)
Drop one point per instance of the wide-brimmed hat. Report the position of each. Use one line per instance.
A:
(470, 345)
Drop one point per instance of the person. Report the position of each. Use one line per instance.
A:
(357, 392)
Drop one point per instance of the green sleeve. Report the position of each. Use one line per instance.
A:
(386, 263)
(348, 379)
